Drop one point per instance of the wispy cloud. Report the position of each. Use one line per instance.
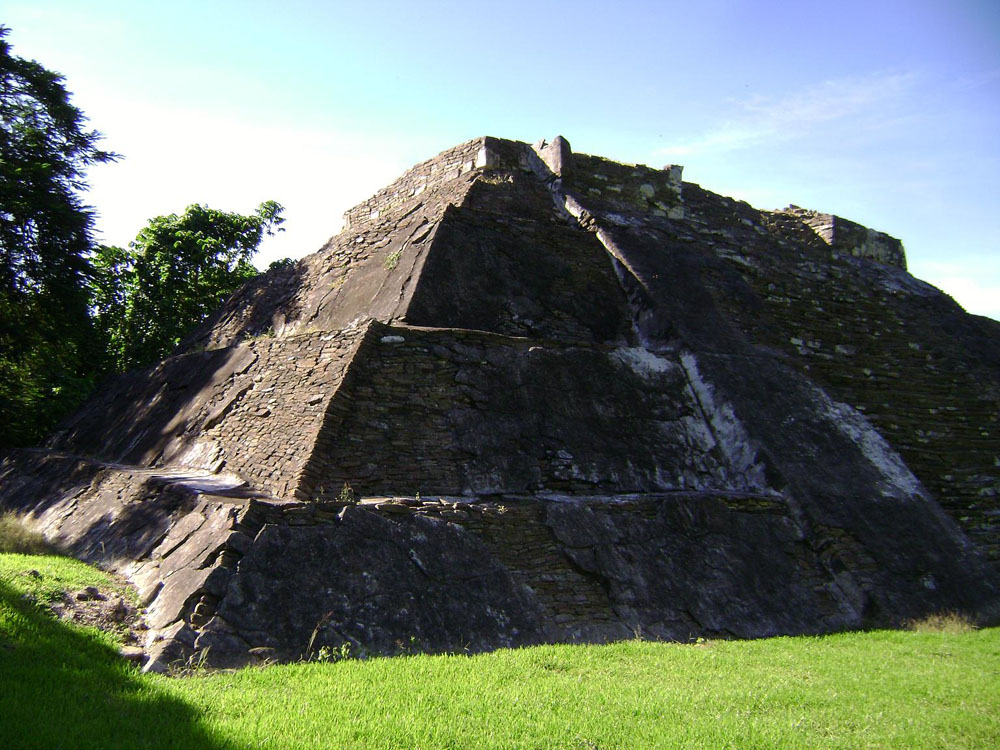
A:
(767, 120)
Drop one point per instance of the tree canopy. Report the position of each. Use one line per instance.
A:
(47, 355)
(175, 273)
(71, 311)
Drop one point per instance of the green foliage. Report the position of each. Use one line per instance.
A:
(392, 260)
(281, 263)
(347, 495)
(327, 654)
(49, 355)
(55, 285)
(175, 273)
(17, 538)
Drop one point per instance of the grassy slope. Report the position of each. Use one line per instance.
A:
(61, 687)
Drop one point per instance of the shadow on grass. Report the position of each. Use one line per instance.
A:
(62, 689)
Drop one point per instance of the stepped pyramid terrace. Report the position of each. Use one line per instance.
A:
(529, 395)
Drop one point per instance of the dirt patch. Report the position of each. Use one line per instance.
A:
(106, 609)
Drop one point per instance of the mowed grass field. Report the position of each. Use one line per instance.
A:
(65, 687)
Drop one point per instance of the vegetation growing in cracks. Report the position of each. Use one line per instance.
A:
(392, 260)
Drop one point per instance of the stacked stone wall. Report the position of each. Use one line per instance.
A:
(366, 271)
(895, 348)
(362, 273)
(455, 411)
(674, 565)
(253, 409)
(370, 269)
(446, 166)
(609, 186)
(258, 308)
(581, 600)
(267, 434)
(505, 262)
(852, 239)
(671, 566)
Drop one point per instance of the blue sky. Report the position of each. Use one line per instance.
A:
(886, 112)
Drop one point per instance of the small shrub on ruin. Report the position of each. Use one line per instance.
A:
(347, 495)
(392, 259)
(497, 178)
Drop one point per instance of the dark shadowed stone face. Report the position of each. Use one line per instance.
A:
(379, 585)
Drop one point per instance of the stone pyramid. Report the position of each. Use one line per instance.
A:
(528, 396)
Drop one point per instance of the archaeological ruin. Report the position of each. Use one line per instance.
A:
(528, 395)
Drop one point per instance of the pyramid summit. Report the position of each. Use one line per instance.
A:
(529, 395)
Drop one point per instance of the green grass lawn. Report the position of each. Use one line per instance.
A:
(65, 687)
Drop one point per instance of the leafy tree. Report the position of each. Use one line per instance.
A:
(47, 347)
(281, 263)
(175, 273)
